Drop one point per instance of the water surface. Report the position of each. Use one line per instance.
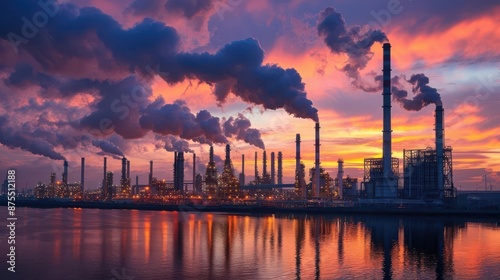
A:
(107, 244)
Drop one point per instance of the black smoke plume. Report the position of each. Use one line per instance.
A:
(354, 41)
(423, 94)
(239, 127)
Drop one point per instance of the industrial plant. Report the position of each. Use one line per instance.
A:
(426, 174)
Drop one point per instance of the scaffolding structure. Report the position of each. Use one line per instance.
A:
(375, 184)
(374, 168)
(420, 174)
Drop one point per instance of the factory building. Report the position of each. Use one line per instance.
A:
(228, 183)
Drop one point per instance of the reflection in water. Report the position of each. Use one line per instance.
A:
(150, 245)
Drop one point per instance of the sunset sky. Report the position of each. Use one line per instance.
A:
(138, 78)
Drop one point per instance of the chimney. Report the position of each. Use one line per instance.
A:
(316, 163)
(280, 168)
(179, 172)
(128, 169)
(83, 175)
(439, 149)
(387, 153)
(124, 169)
(242, 174)
(104, 181)
(340, 176)
(65, 174)
(264, 165)
(256, 170)
(300, 187)
(194, 169)
(273, 179)
(150, 172)
(175, 172)
(137, 184)
(211, 154)
(228, 153)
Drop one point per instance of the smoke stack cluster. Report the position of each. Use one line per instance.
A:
(439, 148)
(300, 187)
(387, 138)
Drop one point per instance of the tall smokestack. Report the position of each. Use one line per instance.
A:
(340, 176)
(128, 169)
(273, 179)
(150, 172)
(242, 174)
(439, 149)
(264, 165)
(82, 180)
(228, 153)
(124, 168)
(387, 153)
(300, 188)
(256, 170)
(104, 181)
(65, 173)
(280, 168)
(175, 172)
(316, 163)
(211, 154)
(136, 184)
(194, 169)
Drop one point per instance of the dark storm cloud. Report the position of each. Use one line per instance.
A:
(189, 8)
(423, 93)
(239, 127)
(354, 41)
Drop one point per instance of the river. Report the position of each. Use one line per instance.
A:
(130, 244)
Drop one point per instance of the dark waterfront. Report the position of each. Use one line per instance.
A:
(106, 244)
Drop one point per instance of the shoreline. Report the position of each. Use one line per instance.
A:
(260, 209)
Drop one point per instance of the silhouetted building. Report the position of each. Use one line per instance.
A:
(211, 181)
(228, 183)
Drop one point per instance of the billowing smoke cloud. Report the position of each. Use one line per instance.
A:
(18, 138)
(177, 119)
(237, 68)
(354, 41)
(423, 93)
(83, 50)
(108, 147)
(239, 127)
(172, 144)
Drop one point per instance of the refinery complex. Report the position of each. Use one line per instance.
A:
(424, 175)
